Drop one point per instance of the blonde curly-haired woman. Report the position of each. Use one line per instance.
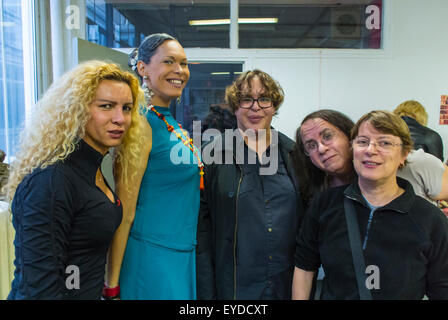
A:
(64, 212)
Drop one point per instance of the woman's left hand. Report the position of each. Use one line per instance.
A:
(445, 211)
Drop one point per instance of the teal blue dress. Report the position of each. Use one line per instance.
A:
(159, 261)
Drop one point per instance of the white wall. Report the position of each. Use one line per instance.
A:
(412, 65)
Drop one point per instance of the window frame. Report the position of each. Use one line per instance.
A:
(29, 58)
(27, 12)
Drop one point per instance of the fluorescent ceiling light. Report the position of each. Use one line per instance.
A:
(225, 73)
(208, 22)
(227, 21)
(257, 20)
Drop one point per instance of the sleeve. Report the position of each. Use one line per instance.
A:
(437, 274)
(43, 212)
(307, 255)
(205, 275)
(429, 170)
(436, 147)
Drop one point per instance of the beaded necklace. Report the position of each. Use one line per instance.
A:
(187, 142)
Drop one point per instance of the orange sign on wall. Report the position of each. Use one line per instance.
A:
(444, 110)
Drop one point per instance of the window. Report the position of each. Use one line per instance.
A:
(12, 82)
(261, 24)
(123, 24)
(204, 92)
(316, 24)
(108, 27)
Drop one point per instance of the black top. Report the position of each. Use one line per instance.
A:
(64, 225)
(223, 241)
(425, 138)
(267, 229)
(407, 240)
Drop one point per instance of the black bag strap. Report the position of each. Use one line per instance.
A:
(355, 245)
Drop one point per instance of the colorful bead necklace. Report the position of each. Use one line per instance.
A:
(187, 142)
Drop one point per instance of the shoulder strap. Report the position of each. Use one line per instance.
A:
(357, 254)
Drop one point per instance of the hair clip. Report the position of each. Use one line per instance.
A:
(134, 60)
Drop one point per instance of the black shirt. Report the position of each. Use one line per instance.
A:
(407, 240)
(64, 225)
(267, 228)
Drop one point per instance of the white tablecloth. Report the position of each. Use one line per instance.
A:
(7, 234)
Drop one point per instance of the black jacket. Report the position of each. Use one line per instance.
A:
(425, 138)
(64, 225)
(407, 240)
(218, 221)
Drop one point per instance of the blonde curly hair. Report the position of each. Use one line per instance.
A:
(59, 118)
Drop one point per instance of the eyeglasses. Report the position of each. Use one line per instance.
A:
(248, 102)
(382, 145)
(313, 146)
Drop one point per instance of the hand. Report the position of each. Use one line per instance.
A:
(443, 205)
(445, 211)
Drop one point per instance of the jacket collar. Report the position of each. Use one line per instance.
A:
(220, 144)
(410, 120)
(401, 204)
(86, 160)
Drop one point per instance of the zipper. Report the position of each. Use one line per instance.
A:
(366, 237)
(369, 222)
(235, 233)
(364, 243)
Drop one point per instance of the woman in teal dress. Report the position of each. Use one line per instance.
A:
(152, 256)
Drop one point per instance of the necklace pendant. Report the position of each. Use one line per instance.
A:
(187, 142)
(149, 107)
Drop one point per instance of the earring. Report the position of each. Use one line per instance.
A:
(178, 100)
(145, 77)
(148, 92)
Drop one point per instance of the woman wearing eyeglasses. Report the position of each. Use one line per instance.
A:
(251, 208)
(322, 153)
(403, 238)
(323, 159)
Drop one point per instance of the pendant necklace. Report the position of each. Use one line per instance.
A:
(186, 141)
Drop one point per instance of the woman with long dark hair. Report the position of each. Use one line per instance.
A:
(153, 252)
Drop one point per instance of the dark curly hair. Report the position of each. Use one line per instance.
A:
(220, 119)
